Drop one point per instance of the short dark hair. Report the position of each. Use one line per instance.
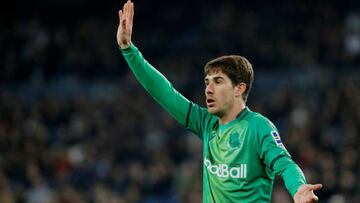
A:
(237, 68)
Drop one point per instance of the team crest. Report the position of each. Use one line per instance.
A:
(213, 134)
(234, 140)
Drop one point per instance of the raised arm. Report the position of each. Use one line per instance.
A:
(150, 78)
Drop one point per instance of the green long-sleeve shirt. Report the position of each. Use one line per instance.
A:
(241, 158)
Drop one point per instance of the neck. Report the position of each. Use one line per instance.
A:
(231, 115)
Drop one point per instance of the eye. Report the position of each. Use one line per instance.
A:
(206, 82)
(218, 81)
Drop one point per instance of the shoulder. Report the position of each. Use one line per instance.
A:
(200, 111)
(262, 126)
(201, 114)
(264, 129)
(258, 120)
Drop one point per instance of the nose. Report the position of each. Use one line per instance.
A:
(209, 89)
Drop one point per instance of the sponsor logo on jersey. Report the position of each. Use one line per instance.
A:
(225, 171)
(277, 138)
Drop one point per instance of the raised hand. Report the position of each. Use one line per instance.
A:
(305, 194)
(124, 31)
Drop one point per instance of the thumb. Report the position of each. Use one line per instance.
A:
(120, 14)
(315, 198)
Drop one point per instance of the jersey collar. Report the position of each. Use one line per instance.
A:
(239, 117)
(243, 113)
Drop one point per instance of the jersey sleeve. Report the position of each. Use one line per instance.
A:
(291, 173)
(188, 114)
(197, 118)
(275, 156)
(157, 85)
(270, 146)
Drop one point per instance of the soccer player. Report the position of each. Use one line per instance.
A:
(242, 149)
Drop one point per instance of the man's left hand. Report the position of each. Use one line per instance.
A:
(305, 193)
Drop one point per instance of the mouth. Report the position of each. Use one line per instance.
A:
(210, 102)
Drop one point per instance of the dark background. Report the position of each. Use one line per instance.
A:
(75, 126)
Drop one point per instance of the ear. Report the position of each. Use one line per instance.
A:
(240, 89)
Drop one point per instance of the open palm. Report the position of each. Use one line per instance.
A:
(124, 31)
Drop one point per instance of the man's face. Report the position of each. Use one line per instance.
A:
(219, 92)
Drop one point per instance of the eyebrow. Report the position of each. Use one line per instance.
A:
(214, 78)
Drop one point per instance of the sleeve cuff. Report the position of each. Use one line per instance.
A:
(129, 49)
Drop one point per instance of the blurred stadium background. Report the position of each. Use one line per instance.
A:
(75, 126)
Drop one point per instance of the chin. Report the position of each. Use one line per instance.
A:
(213, 111)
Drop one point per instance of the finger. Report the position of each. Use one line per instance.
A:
(124, 8)
(120, 15)
(122, 20)
(131, 13)
(127, 10)
(315, 187)
(315, 198)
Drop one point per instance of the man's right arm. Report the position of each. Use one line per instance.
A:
(157, 85)
(188, 114)
(152, 80)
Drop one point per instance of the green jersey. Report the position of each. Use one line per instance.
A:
(241, 158)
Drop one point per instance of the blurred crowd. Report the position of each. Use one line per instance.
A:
(75, 126)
